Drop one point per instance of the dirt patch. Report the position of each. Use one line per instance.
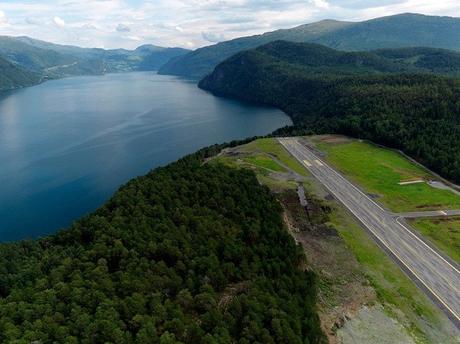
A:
(333, 139)
(424, 206)
(329, 197)
(372, 325)
(230, 292)
(343, 287)
(373, 196)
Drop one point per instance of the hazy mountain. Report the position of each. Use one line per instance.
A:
(32, 56)
(154, 57)
(200, 62)
(64, 60)
(55, 61)
(404, 30)
(12, 76)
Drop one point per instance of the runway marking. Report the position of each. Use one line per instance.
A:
(319, 162)
(382, 240)
(295, 142)
(307, 163)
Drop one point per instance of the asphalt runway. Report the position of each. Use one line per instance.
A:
(429, 269)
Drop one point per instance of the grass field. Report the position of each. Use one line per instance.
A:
(379, 171)
(443, 232)
(265, 162)
(273, 147)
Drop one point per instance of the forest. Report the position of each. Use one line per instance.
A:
(366, 95)
(190, 253)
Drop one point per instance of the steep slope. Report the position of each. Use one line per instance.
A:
(384, 96)
(31, 57)
(405, 30)
(190, 253)
(12, 77)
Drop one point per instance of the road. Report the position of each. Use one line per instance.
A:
(434, 274)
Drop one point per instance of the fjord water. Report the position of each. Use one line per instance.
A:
(67, 145)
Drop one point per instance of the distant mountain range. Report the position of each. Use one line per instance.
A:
(48, 60)
(404, 30)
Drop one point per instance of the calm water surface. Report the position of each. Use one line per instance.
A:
(67, 145)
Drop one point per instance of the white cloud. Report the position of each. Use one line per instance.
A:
(123, 28)
(186, 23)
(134, 38)
(3, 18)
(213, 37)
(33, 21)
(59, 22)
(322, 4)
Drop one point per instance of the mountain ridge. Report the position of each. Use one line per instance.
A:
(52, 61)
(406, 30)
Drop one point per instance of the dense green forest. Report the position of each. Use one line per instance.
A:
(190, 253)
(402, 30)
(358, 94)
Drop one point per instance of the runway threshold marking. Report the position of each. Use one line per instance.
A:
(319, 162)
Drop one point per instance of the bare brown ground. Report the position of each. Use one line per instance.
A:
(343, 288)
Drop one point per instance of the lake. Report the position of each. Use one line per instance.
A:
(67, 145)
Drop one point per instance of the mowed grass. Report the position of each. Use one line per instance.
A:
(264, 156)
(273, 147)
(443, 232)
(379, 171)
(265, 162)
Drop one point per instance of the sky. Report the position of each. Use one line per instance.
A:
(186, 23)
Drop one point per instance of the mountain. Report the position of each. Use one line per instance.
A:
(200, 62)
(12, 76)
(155, 57)
(54, 60)
(32, 57)
(394, 97)
(189, 253)
(404, 30)
(315, 60)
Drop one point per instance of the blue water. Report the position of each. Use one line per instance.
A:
(67, 145)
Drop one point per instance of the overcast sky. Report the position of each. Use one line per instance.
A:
(186, 23)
